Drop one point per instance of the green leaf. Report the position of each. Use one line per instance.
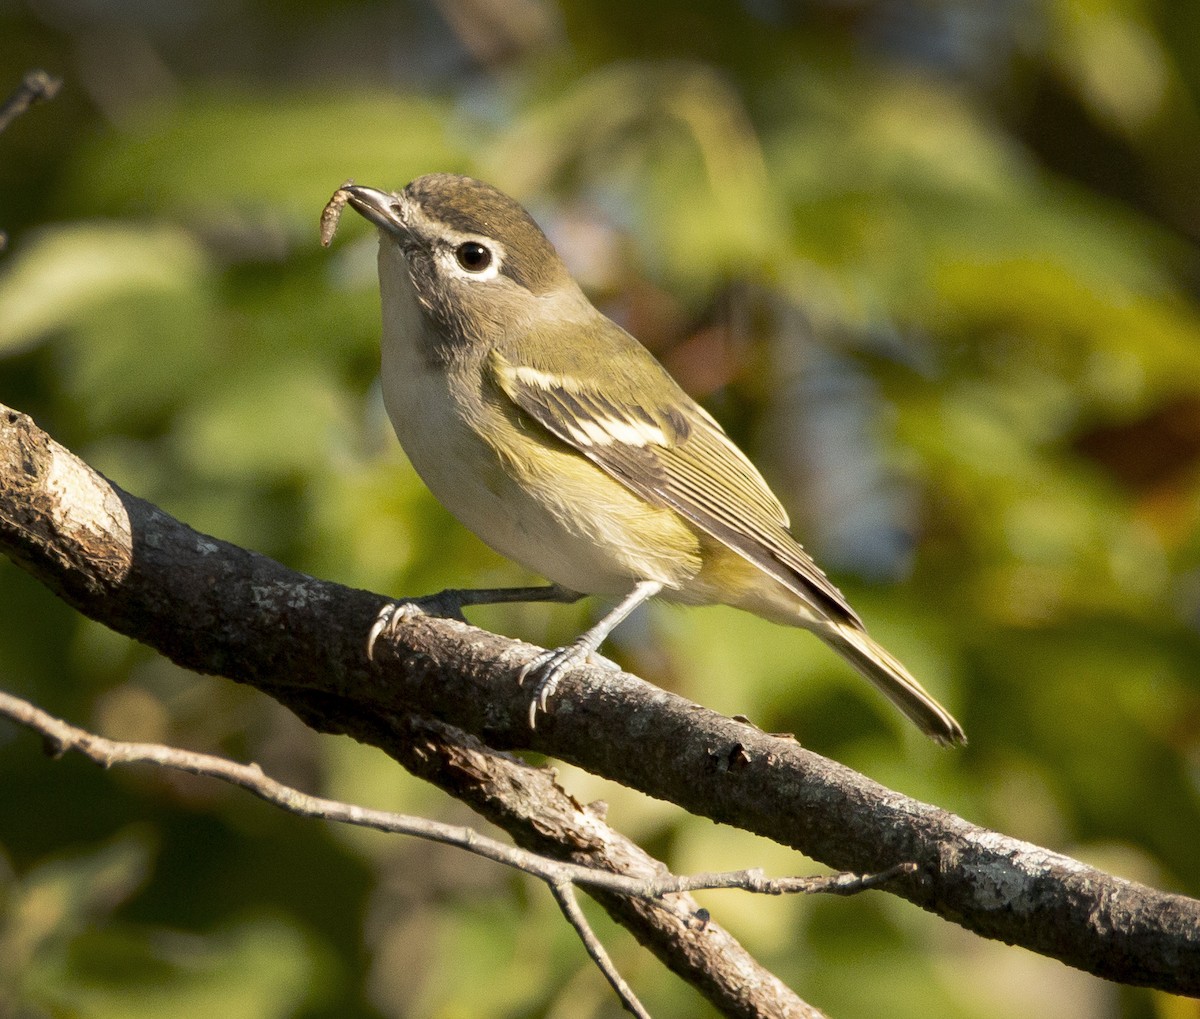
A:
(69, 273)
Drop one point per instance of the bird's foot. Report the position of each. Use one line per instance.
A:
(550, 666)
(445, 604)
(391, 617)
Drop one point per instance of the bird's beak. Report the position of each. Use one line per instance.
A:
(382, 208)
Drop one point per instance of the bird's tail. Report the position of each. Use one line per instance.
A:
(893, 680)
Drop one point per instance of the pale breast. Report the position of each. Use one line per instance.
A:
(563, 518)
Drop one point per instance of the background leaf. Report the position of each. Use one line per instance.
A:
(933, 265)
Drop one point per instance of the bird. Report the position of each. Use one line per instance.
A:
(560, 440)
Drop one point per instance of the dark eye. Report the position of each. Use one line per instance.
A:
(473, 256)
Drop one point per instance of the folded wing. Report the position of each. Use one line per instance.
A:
(672, 454)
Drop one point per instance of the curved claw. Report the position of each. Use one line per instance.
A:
(548, 669)
(377, 627)
(550, 665)
(389, 620)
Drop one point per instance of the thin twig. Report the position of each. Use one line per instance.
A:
(61, 736)
(561, 877)
(844, 883)
(36, 86)
(564, 895)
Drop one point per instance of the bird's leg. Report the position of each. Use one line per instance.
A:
(548, 667)
(497, 595)
(449, 604)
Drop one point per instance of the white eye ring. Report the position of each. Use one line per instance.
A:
(461, 260)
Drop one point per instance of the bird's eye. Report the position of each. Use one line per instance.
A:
(473, 256)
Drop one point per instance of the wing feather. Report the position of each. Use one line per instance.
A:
(678, 457)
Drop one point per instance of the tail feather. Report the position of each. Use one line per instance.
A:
(893, 680)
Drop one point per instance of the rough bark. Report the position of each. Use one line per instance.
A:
(217, 608)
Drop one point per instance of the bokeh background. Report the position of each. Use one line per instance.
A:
(933, 263)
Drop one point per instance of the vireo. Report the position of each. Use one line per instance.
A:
(556, 437)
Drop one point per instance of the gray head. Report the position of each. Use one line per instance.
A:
(474, 255)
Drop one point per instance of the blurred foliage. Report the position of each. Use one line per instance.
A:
(934, 264)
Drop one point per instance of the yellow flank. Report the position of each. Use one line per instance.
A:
(729, 579)
(601, 518)
(587, 530)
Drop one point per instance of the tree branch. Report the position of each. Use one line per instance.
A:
(105, 552)
(216, 608)
(560, 877)
(61, 737)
